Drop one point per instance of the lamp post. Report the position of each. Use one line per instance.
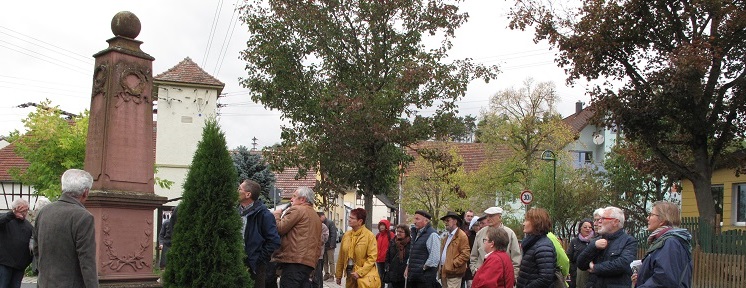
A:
(548, 155)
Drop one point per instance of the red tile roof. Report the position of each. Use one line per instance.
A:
(473, 154)
(287, 183)
(9, 160)
(579, 120)
(188, 72)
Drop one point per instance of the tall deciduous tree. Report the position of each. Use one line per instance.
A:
(526, 121)
(51, 145)
(253, 167)
(681, 65)
(349, 76)
(207, 246)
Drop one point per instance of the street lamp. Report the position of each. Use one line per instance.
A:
(548, 155)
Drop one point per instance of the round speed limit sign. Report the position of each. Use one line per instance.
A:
(527, 197)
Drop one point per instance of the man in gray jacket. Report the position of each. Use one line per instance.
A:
(67, 261)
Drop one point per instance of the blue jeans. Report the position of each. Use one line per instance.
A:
(10, 277)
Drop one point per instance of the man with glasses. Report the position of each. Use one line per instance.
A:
(258, 230)
(607, 258)
(493, 218)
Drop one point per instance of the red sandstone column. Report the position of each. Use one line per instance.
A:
(120, 157)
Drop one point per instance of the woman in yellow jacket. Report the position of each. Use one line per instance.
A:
(357, 254)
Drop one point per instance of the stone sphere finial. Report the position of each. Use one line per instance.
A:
(125, 24)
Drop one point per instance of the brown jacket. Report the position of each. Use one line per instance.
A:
(457, 255)
(300, 236)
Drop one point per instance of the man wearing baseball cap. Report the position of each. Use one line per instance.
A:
(493, 217)
(424, 256)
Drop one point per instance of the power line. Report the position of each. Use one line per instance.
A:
(36, 80)
(213, 27)
(87, 58)
(45, 60)
(226, 40)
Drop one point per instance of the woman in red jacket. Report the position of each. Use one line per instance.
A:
(383, 239)
(497, 270)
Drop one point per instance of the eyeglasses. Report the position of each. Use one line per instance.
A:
(605, 218)
(651, 214)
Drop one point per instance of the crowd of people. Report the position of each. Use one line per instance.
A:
(295, 246)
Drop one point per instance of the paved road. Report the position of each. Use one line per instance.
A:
(30, 282)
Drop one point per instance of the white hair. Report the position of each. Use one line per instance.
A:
(307, 193)
(75, 182)
(616, 213)
(18, 202)
(598, 213)
(41, 203)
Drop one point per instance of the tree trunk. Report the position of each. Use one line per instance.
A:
(703, 194)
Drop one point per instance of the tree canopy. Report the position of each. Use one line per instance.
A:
(351, 78)
(51, 145)
(671, 73)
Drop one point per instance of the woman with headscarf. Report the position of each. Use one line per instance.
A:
(585, 232)
(357, 254)
(539, 256)
(397, 257)
(668, 259)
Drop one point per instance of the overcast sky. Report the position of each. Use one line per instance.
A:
(46, 48)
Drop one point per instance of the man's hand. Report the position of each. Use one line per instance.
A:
(406, 271)
(277, 213)
(634, 279)
(591, 267)
(601, 244)
(21, 211)
(160, 247)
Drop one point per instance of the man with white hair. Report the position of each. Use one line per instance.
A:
(607, 258)
(493, 218)
(15, 234)
(300, 238)
(67, 261)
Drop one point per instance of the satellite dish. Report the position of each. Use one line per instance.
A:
(598, 139)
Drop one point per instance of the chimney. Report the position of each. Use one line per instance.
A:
(578, 107)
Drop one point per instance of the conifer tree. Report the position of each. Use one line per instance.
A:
(207, 249)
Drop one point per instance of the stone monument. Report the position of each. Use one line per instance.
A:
(120, 157)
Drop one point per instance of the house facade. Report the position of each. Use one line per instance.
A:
(592, 142)
(729, 194)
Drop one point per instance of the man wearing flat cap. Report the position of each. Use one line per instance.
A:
(493, 218)
(424, 256)
(454, 256)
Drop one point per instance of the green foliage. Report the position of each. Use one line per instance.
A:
(432, 182)
(253, 167)
(349, 77)
(526, 121)
(207, 246)
(51, 145)
(672, 74)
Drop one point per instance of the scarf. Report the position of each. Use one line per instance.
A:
(354, 238)
(658, 233)
(586, 239)
(400, 244)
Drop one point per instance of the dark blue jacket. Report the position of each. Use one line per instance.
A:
(260, 237)
(667, 258)
(538, 262)
(610, 265)
(419, 254)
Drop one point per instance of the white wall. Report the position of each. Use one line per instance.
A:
(182, 111)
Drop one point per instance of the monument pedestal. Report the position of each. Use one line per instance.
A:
(124, 231)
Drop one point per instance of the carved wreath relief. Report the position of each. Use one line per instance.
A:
(133, 81)
(137, 259)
